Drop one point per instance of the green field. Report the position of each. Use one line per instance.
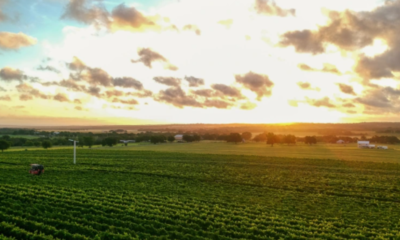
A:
(348, 152)
(128, 194)
(22, 136)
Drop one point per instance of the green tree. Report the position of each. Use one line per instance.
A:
(157, 139)
(246, 135)
(234, 137)
(6, 137)
(110, 141)
(46, 144)
(88, 141)
(171, 138)
(4, 145)
(37, 144)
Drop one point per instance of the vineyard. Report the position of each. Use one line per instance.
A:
(117, 194)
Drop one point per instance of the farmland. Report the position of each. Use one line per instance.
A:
(349, 152)
(124, 194)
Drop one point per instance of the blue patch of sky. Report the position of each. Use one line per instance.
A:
(42, 19)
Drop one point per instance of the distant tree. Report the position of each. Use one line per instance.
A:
(272, 139)
(6, 137)
(171, 138)
(246, 135)
(4, 145)
(310, 140)
(28, 143)
(188, 138)
(289, 139)
(88, 141)
(46, 144)
(109, 141)
(157, 139)
(260, 137)
(234, 137)
(80, 142)
(37, 144)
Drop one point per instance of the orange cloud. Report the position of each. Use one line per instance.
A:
(14, 41)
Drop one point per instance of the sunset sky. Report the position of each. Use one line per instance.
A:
(80, 62)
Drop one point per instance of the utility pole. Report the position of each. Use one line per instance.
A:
(74, 149)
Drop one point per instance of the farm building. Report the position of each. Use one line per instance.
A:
(382, 147)
(178, 137)
(340, 141)
(364, 144)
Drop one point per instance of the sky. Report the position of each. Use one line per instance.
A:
(93, 62)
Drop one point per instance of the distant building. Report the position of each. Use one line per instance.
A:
(178, 137)
(56, 133)
(365, 144)
(382, 147)
(340, 141)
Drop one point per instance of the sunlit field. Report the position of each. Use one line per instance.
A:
(129, 194)
(348, 152)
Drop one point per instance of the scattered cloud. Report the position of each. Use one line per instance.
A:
(323, 102)
(129, 18)
(28, 92)
(269, 8)
(15, 41)
(3, 89)
(217, 104)
(148, 56)
(61, 97)
(48, 68)
(124, 101)
(177, 97)
(348, 105)
(128, 82)
(248, 106)
(191, 27)
(205, 93)
(194, 82)
(25, 97)
(5, 98)
(80, 11)
(328, 68)
(227, 90)
(258, 83)
(306, 86)
(169, 81)
(346, 89)
(10, 74)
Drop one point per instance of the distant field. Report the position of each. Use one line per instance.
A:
(22, 136)
(348, 152)
(127, 194)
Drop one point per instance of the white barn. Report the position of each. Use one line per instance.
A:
(340, 141)
(178, 137)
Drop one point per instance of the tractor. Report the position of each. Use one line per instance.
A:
(36, 169)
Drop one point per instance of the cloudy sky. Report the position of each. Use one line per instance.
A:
(79, 62)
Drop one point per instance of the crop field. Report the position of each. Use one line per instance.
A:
(126, 194)
(349, 152)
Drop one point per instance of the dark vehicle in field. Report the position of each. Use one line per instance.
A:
(36, 169)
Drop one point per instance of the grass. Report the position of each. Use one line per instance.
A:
(348, 152)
